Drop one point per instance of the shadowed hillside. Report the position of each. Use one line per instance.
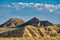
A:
(30, 31)
(32, 28)
(13, 22)
(58, 25)
(36, 22)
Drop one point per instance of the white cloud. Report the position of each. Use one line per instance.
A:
(51, 10)
(58, 6)
(50, 7)
(38, 6)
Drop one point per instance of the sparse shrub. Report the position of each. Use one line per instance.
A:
(41, 33)
(52, 33)
(49, 29)
(58, 31)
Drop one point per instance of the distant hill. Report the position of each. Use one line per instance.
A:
(33, 27)
(57, 25)
(36, 22)
(13, 22)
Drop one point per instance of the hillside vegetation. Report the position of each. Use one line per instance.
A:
(33, 29)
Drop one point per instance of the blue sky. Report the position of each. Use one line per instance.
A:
(34, 1)
(27, 9)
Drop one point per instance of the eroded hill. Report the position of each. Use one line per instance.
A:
(33, 27)
(30, 31)
(13, 22)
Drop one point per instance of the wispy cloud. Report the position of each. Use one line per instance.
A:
(27, 10)
(37, 6)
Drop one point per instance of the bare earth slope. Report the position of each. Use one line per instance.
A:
(30, 31)
(13, 22)
(33, 27)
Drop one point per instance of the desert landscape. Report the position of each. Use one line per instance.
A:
(29, 19)
(34, 29)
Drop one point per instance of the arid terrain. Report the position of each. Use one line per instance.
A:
(34, 29)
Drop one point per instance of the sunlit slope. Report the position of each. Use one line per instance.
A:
(5, 29)
(30, 31)
(13, 22)
(31, 28)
